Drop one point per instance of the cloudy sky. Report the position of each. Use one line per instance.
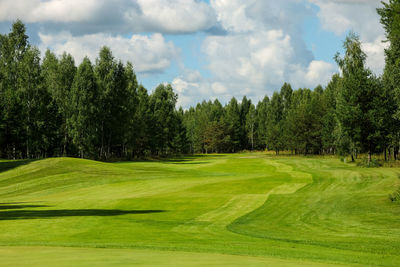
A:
(207, 49)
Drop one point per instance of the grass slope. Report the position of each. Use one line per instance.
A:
(221, 209)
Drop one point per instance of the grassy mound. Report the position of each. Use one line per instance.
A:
(279, 211)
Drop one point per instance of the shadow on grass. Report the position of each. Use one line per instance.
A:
(188, 162)
(176, 158)
(49, 214)
(11, 164)
(190, 159)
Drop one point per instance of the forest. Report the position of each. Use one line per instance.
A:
(98, 110)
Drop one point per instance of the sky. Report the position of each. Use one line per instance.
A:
(207, 49)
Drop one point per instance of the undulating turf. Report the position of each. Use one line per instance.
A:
(205, 210)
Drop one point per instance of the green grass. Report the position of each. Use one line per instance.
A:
(206, 210)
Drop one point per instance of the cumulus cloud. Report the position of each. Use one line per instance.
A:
(254, 59)
(340, 16)
(191, 87)
(375, 54)
(251, 46)
(317, 73)
(263, 48)
(147, 53)
(122, 16)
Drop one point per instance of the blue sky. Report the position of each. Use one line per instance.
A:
(207, 49)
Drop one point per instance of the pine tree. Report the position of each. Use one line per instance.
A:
(261, 122)
(275, 124)
(233, 123)
(251, 124)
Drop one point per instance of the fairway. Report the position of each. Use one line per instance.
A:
(239, 209)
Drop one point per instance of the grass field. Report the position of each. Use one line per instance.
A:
(242, 209)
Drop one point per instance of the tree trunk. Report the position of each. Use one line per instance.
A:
(385, 154)
(252, 138)
(102, 139)
(109, 146)
(369, 157)
(65, 140)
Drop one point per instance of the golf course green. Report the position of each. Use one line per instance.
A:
(213, 210)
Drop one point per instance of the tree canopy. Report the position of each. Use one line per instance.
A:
(51, 107)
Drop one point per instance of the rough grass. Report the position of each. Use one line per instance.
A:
(206, 210)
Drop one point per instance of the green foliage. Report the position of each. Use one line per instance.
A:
(166, 131)
(395, 196)
(390, 19)
(100, 111)
(250, 121)
(360, 108)
(373, 163)
(234, 126)
(85, 115)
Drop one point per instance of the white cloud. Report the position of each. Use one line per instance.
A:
(317, 73)
(256, 58)
(191, 88)
(263, 48)
(375, 54)
(147, 53)
(174, 15)
(340, 16)
(117, 16)
(219, 88)
(54, 10)
(233, 15)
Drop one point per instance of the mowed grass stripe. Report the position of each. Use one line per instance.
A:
(51, 256)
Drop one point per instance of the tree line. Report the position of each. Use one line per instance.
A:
(52, 107)
(357, 112)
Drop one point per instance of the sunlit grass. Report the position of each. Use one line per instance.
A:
(262, 207)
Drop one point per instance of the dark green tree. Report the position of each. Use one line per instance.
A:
(244, 110)
(261, 122)
(84, 120)
(390, 19)
(62, 97)
(13, 48)
(329, 122)
(233, 122)
(358, 92)
(251, 119)
(274, 136)
(162, 106)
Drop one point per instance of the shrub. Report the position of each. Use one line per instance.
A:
(373, 164)
(395, 196)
